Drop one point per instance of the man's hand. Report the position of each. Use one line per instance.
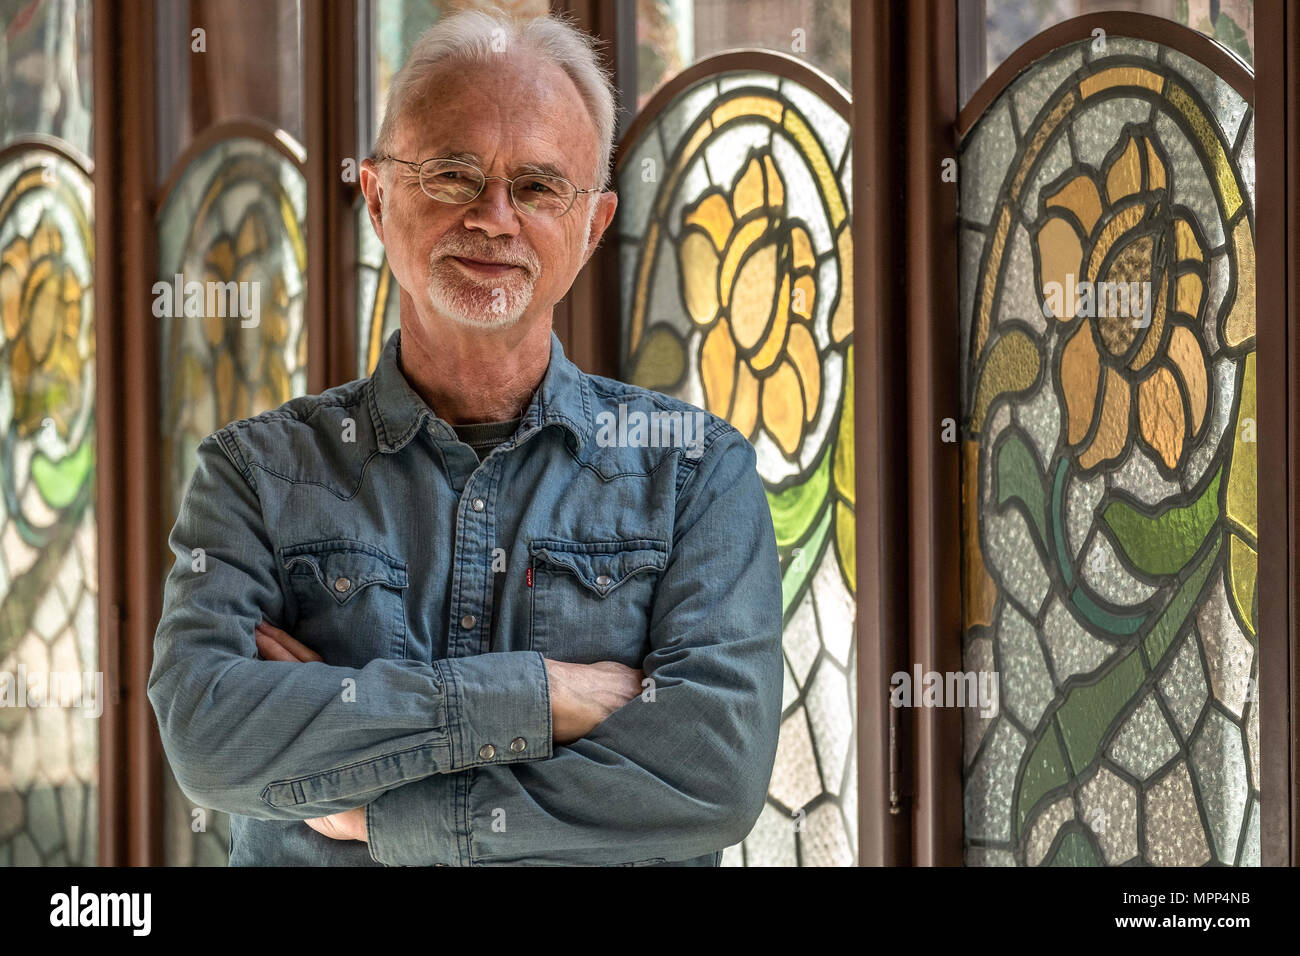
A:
(275, 645)
(348, 825)
(582, 695)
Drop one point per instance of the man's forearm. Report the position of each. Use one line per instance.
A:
(292, 741)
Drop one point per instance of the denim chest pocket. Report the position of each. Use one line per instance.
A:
(591, 600)
(350, 599)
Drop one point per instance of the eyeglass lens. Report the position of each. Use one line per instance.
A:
(534, 194)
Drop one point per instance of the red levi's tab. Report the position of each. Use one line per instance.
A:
(529, 577)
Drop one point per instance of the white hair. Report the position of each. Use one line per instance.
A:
(478, 36)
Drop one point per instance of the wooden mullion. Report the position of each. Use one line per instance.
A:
(1277, 292)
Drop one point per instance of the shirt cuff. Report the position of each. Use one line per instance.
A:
(498, 708)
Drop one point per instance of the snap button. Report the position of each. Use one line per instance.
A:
(342, 584)
(603, 580)
(467, 621)
(487, 752)
(477, 504)
(518, 745)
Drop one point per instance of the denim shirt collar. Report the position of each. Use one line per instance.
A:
(399, 412)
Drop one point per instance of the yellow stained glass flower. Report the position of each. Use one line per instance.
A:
(40, 308)
(748, 280)
(244, 258)
(1103, 235)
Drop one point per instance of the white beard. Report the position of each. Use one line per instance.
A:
(478, 304)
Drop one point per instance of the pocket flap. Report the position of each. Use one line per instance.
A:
(344, 567)
(601, 565)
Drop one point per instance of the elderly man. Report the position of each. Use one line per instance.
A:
(444, 615)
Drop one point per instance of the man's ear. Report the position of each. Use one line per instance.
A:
(606, 203)
(374, 193)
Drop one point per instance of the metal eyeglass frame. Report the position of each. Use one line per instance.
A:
(577, 191)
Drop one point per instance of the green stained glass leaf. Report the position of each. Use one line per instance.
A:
(1075, 850)
(1045, 771)
(1171, 621)
(843, 466)
(1019, 481)
(1088, 711)
(660, 362)
(1012, 368)
(800, 570)
(1102, 618)
(59, 481)
(1164, 542)
(794, 509)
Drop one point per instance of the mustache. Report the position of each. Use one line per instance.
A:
(470, 247)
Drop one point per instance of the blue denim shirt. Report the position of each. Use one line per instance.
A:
(434, 585)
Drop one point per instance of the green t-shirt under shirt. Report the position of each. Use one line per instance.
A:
(484, 436)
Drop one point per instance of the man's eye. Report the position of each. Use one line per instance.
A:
(538, 186)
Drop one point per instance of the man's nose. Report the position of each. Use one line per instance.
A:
(491, 211)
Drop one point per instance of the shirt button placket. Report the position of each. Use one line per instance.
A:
(474, 526)
(468, 621)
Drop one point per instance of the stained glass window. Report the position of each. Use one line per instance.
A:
(50, 683)
(235, 217)
(735, 248)
(1107, 304)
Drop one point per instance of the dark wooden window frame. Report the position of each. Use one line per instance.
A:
(906, 121)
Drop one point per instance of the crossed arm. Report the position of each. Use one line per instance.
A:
(668, 778)
(581, 695)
